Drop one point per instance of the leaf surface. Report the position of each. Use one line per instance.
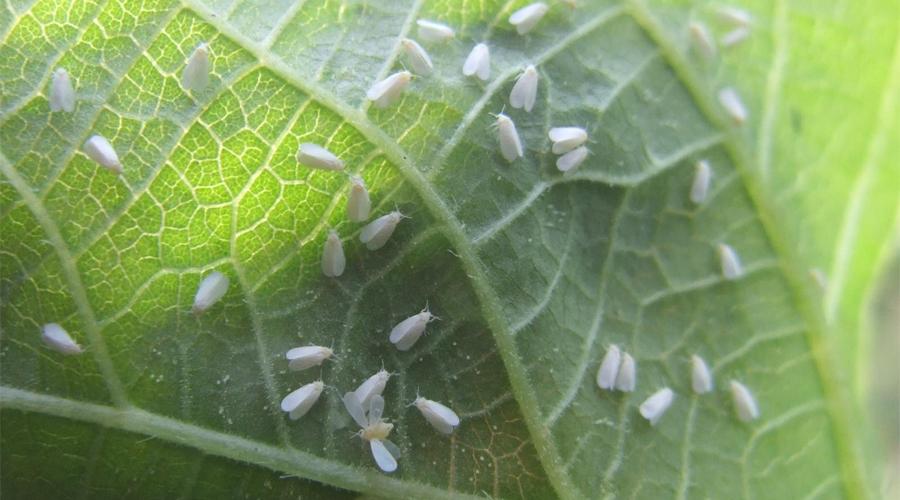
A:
(532, 273)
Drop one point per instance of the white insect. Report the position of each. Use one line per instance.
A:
(333, 260)
(376, 233)
(478, 62)
(315, 156)
(408, 331)
(387, 91)
(431, 31)
(700, 186)
(358, 202)
(735, 16)
(704, 43)
(211, 289)
(62, 95)
(819, 277)
(732, 268)
(196, 72)
(701, 377)
(733, 105)
(101, 151)
(566, 139)
(527, 17)
(58, 339)
(374, 430)
(656, 405)
(417, 56)
(524, 92)
(372, 386)
(609, 368)
(297, 403)
(744, 402)
(439, 416)
(570, 161)
(510, 144)
(627, 376)
(301, 358)
(735, 36)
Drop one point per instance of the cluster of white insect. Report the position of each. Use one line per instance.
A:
(737, 22)
(365, 405)
(568, 143)
(618, 369)
(98, 148)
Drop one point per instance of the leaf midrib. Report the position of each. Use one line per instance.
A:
(453, 231)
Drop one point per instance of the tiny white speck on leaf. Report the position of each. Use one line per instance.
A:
(609, 368)
(700, 186)
(377, 233)
(566, 139)
(734, 16)
(387, 91)
(735, 36)
(372, 386)
(439, 416)
(478, 62)
(212, 288)
(301, 358)
(316, 156)
(196, 71)
(704, 43)
(101, 151)
(374, 429)
(733, 105)
(408, 331)
(358, 202)
(417, 56)
(62, 94)
(58, 339)
(524, 91)
(626, 379)
(432, 31)
(333, 260)
(744, 403)
(526, 18)
(701, 377)
(732, 268)
(654, 407)
(570, 161)
(299, 402)
(510, 143)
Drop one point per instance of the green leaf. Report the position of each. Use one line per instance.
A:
(532, 273)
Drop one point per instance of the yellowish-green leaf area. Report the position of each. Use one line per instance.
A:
(532, 273)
